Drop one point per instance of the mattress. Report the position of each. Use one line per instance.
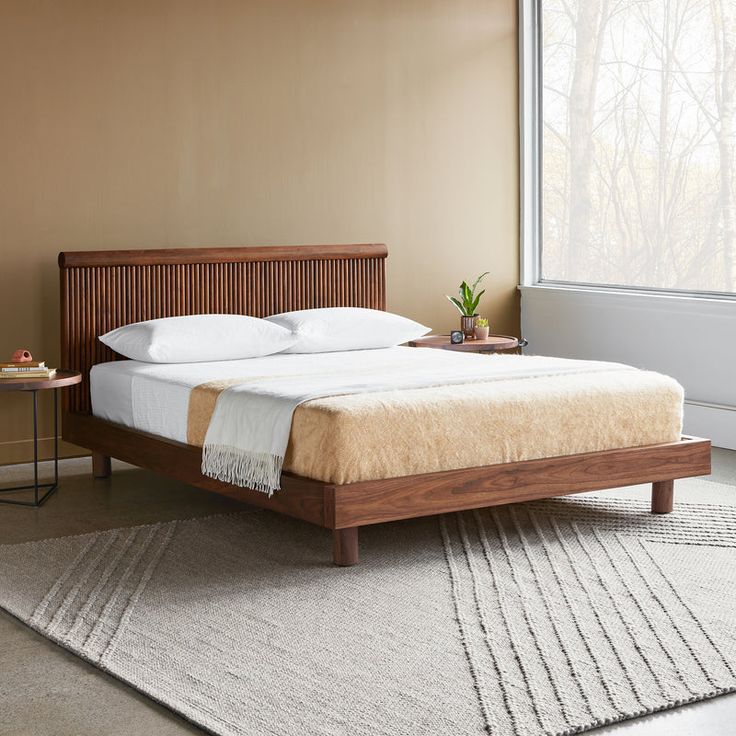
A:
(574, 407)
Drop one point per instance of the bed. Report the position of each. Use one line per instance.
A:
(633, 436)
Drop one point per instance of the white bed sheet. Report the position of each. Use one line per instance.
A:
(154, 397)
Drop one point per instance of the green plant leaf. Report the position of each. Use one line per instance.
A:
(476, 301)
(479, 279)
(457, 304)
(465, 294)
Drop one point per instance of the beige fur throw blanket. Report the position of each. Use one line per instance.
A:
(244, 425)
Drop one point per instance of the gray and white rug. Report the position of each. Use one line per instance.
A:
(550, 617)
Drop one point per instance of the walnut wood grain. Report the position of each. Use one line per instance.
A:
(492, 344)
(663, 496)
(102, 290)
(266, 253)
(60, 379)
(372, 502)
(101, 465)
(345, 547)
(299, 497)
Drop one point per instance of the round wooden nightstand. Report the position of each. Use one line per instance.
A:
(493, 344)
(60, 379)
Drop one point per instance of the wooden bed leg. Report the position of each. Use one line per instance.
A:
(101, 467)
(663, 496)
(345, 546)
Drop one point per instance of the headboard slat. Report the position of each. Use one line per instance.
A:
(102, 290)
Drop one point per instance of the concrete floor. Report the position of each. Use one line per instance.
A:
(47, 691)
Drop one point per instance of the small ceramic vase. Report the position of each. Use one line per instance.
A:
(481, 333)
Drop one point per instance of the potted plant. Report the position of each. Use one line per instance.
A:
(467, 304)
(481, 328)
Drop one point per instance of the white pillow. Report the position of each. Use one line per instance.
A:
(346, 328)
(198, 338)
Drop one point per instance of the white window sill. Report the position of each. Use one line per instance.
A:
(704, 305)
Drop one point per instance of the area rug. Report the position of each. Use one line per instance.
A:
(550, 617)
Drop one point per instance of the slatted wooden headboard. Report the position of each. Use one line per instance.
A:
(101, 290)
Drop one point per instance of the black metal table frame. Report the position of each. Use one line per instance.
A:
(38, 497)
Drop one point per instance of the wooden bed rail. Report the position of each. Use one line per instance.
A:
(345, 508)
(102, 290)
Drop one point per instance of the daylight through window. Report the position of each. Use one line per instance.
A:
(639, 143)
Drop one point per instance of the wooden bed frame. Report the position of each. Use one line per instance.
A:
(101, 290)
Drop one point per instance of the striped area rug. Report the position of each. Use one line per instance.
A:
(570, 619)
(551, 617)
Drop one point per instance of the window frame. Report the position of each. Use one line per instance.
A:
(531, 154)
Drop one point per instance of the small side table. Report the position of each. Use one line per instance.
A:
(493, 344)
(60, 379)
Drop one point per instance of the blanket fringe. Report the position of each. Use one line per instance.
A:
(260, 471)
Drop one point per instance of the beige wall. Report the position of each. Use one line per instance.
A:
(159, 123)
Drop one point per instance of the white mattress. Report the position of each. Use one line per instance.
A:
(154, 397)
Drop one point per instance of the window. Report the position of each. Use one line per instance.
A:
(636, 150)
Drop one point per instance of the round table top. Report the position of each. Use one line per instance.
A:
(60, 379)
(489, 345)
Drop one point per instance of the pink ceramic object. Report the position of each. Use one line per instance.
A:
(21, 356)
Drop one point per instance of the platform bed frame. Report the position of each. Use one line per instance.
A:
(101, 290)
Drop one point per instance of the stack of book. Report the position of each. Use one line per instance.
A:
(33, 369)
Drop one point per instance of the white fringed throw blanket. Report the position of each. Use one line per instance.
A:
(248, 433)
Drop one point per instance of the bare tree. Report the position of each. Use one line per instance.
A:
(589, 28)
(724, 34)
(640, 142)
